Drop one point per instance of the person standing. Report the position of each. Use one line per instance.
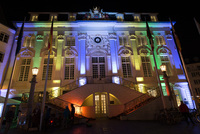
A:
(185, 112)
(47, 118)
(9, 118)
(66, 116)
(36, 116)
(72, 113)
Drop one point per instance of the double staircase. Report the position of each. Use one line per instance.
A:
(141, 100)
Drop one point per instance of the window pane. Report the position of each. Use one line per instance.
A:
(146, 65)
(69, 68)
(120, 41)
(129, 70)
(1, 57)
(24, 62)
(95, 71)
(6, 37)
(50, 72)
(21, 73)
(1, 36)
(71, 71)
(102, 71)
(26, 73)
(124, 70)
(101, 60)
(44, 72)
(94, 59)
(72, 41)
(67, 72)
(28, 61)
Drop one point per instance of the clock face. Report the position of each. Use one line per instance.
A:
(97, 39)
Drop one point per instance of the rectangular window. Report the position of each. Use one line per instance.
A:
(146, 66)
(126, 67)
(4, 37)
(24, 71)
(69, 68)
(70, 41)
(45, 69)
(98, 67)
(197, 90)
(29, 42)
(1, 57)
(123, 40)
(153, 18)
(142, 40)
(165, 61)
(160, 40)
(137, 18)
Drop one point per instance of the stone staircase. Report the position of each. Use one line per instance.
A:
(126, 91)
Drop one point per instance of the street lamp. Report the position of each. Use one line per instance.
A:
(35, 71)
(31, 96)
(163, 68)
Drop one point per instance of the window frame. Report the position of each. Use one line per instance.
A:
(98, 67)
(44, 70)
(146, 66)
(4, 37)
(70, 41)
(24, 69)
(2, 57)
(123, 40)
(70, 64)
(126, 67)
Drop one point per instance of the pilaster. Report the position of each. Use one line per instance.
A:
(113, 51)
(82, 53)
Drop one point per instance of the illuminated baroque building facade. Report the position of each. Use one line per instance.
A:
(101, 61)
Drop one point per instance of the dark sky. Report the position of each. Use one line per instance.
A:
(182, 12)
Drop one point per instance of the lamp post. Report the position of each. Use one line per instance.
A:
(31, 96)
(166, 80)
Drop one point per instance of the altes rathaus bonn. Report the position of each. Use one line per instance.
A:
(102, 62)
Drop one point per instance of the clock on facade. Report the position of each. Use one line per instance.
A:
(97, 39)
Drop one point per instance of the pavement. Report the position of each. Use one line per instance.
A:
(115, 126)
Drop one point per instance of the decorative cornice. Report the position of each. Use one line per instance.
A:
(70, 51)
(144, 50)
(26, 52)
(39, 37)
(125, 51)
(163, 49)
(112, 36)
(60, 37)
(82, 36)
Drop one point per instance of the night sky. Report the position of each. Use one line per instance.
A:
(183, 13)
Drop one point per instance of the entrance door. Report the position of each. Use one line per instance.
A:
(100, 105)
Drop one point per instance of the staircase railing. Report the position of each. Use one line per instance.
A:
(138, 102)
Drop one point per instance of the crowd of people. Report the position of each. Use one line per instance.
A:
(51, 118)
